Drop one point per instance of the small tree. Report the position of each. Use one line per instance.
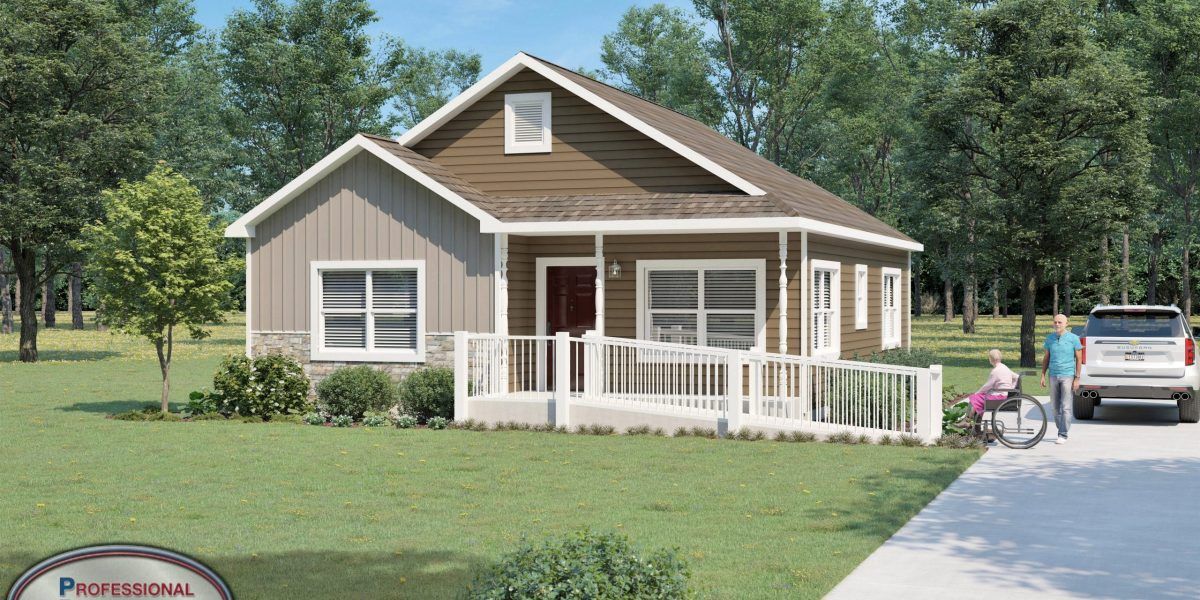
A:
(154, 263)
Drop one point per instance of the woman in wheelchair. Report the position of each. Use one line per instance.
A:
(1000, 381)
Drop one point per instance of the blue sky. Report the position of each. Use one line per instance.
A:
(565, 32)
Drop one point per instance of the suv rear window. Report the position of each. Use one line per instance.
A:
(1135, 324)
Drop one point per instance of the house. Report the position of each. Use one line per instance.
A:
(541, 201)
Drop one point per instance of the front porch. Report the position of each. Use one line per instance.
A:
(599, 380)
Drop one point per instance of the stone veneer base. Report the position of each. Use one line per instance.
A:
(439, 352)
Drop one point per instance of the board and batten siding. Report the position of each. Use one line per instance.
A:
(367, 210)
(621, 294)
(591, 151)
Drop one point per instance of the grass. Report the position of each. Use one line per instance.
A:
(291, 510)
(964, 357)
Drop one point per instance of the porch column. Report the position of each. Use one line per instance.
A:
(502, 284)
(599, 329)
(783, 295)
(908, 294)
(805, 344)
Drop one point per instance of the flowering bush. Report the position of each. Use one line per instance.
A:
(342, 421)
(406, 421)
(271, 384)
(374, 419)
(313, 418)
(437, 422)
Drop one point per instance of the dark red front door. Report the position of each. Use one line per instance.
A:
(570, 307)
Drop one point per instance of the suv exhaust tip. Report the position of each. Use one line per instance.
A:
(1181, 396)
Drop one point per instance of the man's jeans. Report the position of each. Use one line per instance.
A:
(1061, 397)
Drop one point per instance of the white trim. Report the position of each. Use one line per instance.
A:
(760, 288)
(804, 299)
(522, 60)
(907, 314)
(511, 146)
(244, 226)
(598, 286)
(500, 293)
(835, 300)
(316, 342)
(783, 292)
(862, 295)
(540, 264)
(249, 332)
(714, 225)
(894, 342)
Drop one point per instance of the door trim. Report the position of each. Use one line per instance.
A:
(540, 264)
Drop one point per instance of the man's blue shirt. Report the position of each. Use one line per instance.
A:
(1062, 353)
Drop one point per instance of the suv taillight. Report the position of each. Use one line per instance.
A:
(1189, 352)
(1083, 342)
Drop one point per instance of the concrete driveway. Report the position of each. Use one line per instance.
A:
(1114, 513)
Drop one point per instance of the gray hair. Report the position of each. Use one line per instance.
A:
(994, 355)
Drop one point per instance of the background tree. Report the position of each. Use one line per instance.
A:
(658, 53)
(1057, 137)
(421, 81)
(155, 265)
(78, 90)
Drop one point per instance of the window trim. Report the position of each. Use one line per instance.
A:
(898, 320)
(317, 350)
(862, 302)
(834, 350)
(759, 266)
(511, 146)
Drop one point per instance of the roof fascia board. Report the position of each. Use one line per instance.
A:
(723, 225)
(243, 227)
(514, 64)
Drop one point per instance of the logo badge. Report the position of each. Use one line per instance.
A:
(1133, 342)
(119, 572)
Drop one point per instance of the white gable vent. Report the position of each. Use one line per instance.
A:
(526, 123)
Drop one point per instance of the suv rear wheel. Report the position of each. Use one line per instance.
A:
(1083, 408)
(1189, 410)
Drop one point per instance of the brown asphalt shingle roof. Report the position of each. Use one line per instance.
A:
(786, 194)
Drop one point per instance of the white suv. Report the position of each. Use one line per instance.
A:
(1146, 352)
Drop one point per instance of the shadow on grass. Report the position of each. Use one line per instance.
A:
(62, 355)
(331, 574)
(112, 407)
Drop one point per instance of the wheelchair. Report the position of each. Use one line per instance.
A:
(1018, 420)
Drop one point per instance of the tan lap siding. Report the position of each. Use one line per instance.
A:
(591, 151)
(849, 254)
(366, 210)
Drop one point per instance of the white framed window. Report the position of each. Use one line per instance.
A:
(826, 313)
(890, 316)
(716, 303)
(368, 310)
(860, 297)
(527, 123)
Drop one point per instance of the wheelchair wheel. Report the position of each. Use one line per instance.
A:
(1019, 422)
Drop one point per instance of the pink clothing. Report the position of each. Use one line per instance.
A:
(978, 397)
(1001, 378)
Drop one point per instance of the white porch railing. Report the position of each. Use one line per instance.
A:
(775, 391)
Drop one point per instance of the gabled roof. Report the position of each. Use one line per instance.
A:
(775, 199)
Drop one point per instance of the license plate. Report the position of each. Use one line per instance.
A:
(1135, 356)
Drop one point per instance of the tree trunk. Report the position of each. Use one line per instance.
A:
(1125, 266)
(25, 264)
(1028, 315)
(75, 299)
(1152, 270)
(970, 307)
(995, 296)
(1055, 309)
(1186, 283)
(49, 311)
(1104, 298)
(1067, 289)
(17, 296)
(164, 364)
(6, 315)
(915, 288)
(948, 299)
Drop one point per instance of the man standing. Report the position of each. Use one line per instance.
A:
(1064, 355)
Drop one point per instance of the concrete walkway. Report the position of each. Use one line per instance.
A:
(1114, 513)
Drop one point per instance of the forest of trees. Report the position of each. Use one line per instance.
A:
(1046, 152)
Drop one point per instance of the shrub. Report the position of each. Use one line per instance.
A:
(437, 422)
(406, 421)
(313, 418)
(746, 434)
(952, 416)
(705, 432)
(200, 403)
(803, 436)
(271, 384)
(681, 432)
(374, 419)
(428, 393)
(904, 357)
(342, 420)
(886, 440)
(471, 425)
(150, 413)
(355, 390)
(599, 566)
(638, 430)
(910, 440)
(954, 440)
(842, 437)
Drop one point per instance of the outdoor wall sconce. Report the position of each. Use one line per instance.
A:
(614, 270)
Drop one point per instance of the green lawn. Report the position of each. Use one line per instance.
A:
(290, 510)
(964, 357)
